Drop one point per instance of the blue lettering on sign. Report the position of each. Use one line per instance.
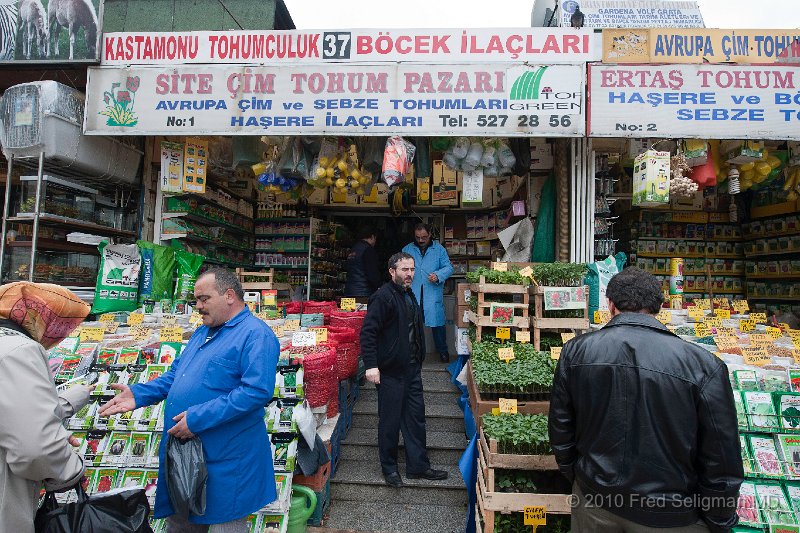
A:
(683, 46)
(190, 105)
(657, 99)
(276, 122)
(721, 114)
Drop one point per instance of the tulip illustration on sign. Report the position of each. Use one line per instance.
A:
(119, 103)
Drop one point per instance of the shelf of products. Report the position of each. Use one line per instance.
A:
(54, 220)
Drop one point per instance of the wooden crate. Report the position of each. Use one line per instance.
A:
(482, 406)
(539, 322)
(265, 282)
(483, 292)
(495, 459)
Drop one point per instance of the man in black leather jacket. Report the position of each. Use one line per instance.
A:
(393, 348)
(643, 423)
(363, 273)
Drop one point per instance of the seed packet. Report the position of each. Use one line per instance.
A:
(741, 415)
(284, 452)
(139, 449)
(153, 372)
(746, 379)
(100, 421)
(150, 485)
(117, 449)
(765, 455)
(774, 381)
(145, 418)
(96, 441)
(280, 418)
(773, 503)
(68, 345)
(88, 480)
(793, 495)
(68, 366)
(272, 523)
(747, 458)
(787, 405)
(149, 355)
(254, 523)
(168, 352)
(760, 411)
(289, 382)
(159, 525)
(161, 408)
(283, 488)
(794, 379)
(152, 456)
(747, 509)
(132, 477)
(789, 448)
(105, 480)
(107, 356)
(129, 356)
(84, 418)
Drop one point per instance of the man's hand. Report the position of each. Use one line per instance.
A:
(373, 375)
(122, 402)
(180, 429)
(433, 278)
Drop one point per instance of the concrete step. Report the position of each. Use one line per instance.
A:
(435, 439)
(434, 397)
(439, 383)
(396, 517)
(453, 424)
(431, 409)
(369, 452)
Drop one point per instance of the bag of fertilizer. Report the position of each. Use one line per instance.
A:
(188, 269)
(597, 278)
(158, 270)
(118, 278)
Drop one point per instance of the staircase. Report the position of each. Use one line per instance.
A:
(360, 499)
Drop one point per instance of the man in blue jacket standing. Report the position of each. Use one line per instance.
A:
(217, 391)
(433, 269)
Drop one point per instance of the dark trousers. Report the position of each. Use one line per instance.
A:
(440, 339)
(401, 407)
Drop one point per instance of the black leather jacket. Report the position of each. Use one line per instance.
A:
(363, 274)
(637, 412)
(385, 336)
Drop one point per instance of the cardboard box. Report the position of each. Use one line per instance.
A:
(379, 195)
(319, 196)
(463, 294)
(444, 185)
(651, 178)
(461, 316)
(695, 203)
(541, 155)
(423, 191)
(505, 188)
(349, 197)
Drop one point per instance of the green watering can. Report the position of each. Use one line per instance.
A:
(304, 501)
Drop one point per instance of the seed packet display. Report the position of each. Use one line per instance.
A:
(747, 508)
(746, 379)
(132, 477)
(168, 352)
(787, 404)
(139, 449)
(284, 452)
(760, 411)
(289, 382)
(774, 506)
(765, 455)
(116, 452)
(741, 415)
(150, 485)
(789, 450)
(747, 459)
(105, 480)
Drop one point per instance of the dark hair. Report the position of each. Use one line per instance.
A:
(635, 290)
(365, 232)
(396, 258)
(224, 279)
(423, 226)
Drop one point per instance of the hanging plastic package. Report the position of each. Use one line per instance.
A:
(422, 158)
(370, 153)
(597, 278)
(117, 285)
(188, 270)
(186, 476)
(306, 424)
(397, 158)
(158, 269)
(521, 148)
(544, 241)
(118, 510)
(460, 147)
(506, 156)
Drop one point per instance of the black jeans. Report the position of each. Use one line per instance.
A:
(401, 407)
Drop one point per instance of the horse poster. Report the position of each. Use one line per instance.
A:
(50, 30)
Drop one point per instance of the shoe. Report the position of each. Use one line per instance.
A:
(393, 480)
(430, 474)
(444, 358)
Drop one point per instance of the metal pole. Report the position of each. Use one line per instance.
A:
(5, 216)
(35, 236)
(310, 244)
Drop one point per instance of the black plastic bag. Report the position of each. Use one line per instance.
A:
(186, 476)
(521, 147)
(120, 511)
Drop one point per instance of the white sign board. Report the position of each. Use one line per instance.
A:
(696, 101)
(535, 45)
(631, 13)
(304, 338)
(489, 99)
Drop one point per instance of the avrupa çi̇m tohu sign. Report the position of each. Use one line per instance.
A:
(365, 99)
(49, 30)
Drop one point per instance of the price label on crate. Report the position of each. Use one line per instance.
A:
(713, 322)
(291, 325)
(169, 320)
(747, 325)
(726, 343)
(507, 405)
(796, 355)
(348, 304)
(760, 339)
(664, 316)
(760, 318)
(134, 319)
(724, 303)
(567, 336)
(499, 267)
(697, 314)
(304, 338)
(756, 356)
(730, 332)
(321, 333)
(90, 334)
(505, 354)
(107, 317)
(526, 272)
(278, 331)
(171, 334)
(523, 336)
(723, 313)
(503, 333)
(703, 303)
(555, 352)
(784, 327)
(601, 317)
(702, 330)
(111, 327)
(741, 306)
(775, 333)
(794, 334)
(535, 515)
(262, 315)
(140, 333)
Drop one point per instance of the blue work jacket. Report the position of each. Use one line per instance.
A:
(436, 261)
(223, 384)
